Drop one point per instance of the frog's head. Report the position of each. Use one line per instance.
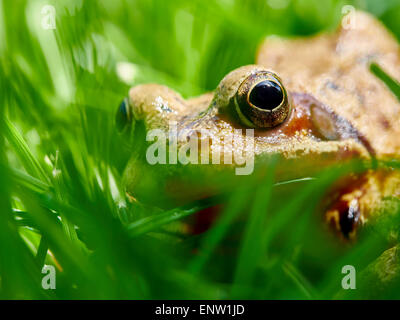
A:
(293, 125)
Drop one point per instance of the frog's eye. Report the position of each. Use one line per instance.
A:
(262, 101)
(122, 117)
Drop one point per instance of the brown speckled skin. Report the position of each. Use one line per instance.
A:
(334, 68)
(340, 110)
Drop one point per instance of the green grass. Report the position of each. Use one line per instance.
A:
(61, 158)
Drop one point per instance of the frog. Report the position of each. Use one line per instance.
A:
(311, 101)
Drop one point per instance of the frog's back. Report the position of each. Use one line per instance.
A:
(335, 70)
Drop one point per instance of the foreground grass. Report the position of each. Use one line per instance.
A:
(61, 199)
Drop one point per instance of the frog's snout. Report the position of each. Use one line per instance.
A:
(122, 118)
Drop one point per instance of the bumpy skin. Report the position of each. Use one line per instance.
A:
(335, 69)
(339, 111)
(158, 105)
(312, 136)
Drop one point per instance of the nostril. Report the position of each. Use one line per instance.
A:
(122, 116)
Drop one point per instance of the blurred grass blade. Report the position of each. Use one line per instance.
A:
(32, 166)
(301, 282)
(236, 204)
(252, 249)
(391, 83)
(155, 222)
(28, 181)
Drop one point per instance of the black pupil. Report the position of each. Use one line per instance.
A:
(266, 95)
(121, 118)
